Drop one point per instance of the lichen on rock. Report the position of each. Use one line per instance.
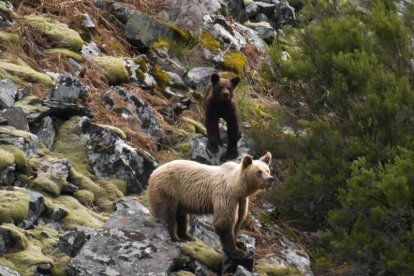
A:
(202, 253)
(113, 68)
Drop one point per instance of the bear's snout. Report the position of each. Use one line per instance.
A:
(269, 182)
(225, 95)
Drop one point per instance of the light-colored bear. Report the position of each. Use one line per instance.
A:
(181, 187)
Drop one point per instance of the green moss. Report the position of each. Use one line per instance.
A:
(183, 149)
(85, 197)
(143, 199)
(179, 32)
(67, 139)
(113, 68)
(163, 43)
(77, 214)
(235, 61)
(19, 157)
(9, 38)
(161, 77)
(6, 158)
(142, 64)
(202, 253)
(184, 273)
(65, 53)
(105, 193)
(120, 184)
(13, 206)
(247, 2)
(20, 240)
(209, 42)
(268, 270)
(25, 73)
(48, 183)
(31, 108)
(115, 130)
(58, 33)
(193, 126)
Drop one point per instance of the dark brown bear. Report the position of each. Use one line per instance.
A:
(221, 102)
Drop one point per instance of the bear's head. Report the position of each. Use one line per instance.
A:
(223, 89)
(257, 173)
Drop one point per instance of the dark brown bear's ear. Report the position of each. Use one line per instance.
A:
(266, 158)
(235, 81)
(247, 161)
(215, 78)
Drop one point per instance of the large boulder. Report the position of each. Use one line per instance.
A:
(45, 131)
(111, 156)
(141, 30)
(16, 118)
(131, 243)
(130, 106)
(199, 77)
(67, 89)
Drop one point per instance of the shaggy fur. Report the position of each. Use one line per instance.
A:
(221, 102)
(179, 188)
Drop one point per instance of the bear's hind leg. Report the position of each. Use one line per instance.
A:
(172, 223)
(182, 227)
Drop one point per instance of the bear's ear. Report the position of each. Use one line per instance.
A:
(235, 81)
(215, 78)
(266, 158)
(247, 161)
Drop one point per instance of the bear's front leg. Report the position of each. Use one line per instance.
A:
(242, 213)
(224, 223)
(213, 135)
(182, 227)
(233, 132)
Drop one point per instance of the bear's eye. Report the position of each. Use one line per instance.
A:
(259, 173)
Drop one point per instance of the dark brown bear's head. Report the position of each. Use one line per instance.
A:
(223, 89)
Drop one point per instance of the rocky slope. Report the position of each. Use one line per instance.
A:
(93, 96)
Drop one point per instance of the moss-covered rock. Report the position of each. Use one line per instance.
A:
(13, 206)
(24, 72)
(77, 214)
(59, 34)
(235, 61)
(113, 68)
(9, 38)
(65, 53)
(6, 158)
(209, 42)
(49, 184)
(85, 197)
(161, 77)
(29, 108)
(185, 273)
(269, 270)
(193, 126)
(202, 253)
(115, 130)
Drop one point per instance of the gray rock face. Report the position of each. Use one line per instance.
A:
(45, 130)
(72, 242)
(140, 29)
(67, 89)
(8, 92)
(90, 50)
(87, 23)
(5, 271)
(133, 108)
(6, 240)
(264, 30)
(7, 175)
(25, 141)
(110, 156)
(176, 81)
(16, 118)
(199, 152)
(230, 265)
(283, 15)
(131, 243)
(36, 208)
(198, 77)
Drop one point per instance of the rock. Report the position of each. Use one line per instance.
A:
(283, 15)
(90, 50)
(261, 17)
(8, 92)
(36, 208)
(58, 214)
(76, 67)
(252, 9)
(230, 265)
(7, 175)
(72, 242)
(110, 156)
(237, 10)
(6, 240)
(45, 130)
(198, 77)
(266, 8)
(5, 271)
(176, 81)
(43, 269)
(67, 89)
(140, 29)
(128, 105)
(199, 152)
(87, 23)
(241, 271)
(25, 141)
(131, 243)
(263, 29)
(16, 118)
